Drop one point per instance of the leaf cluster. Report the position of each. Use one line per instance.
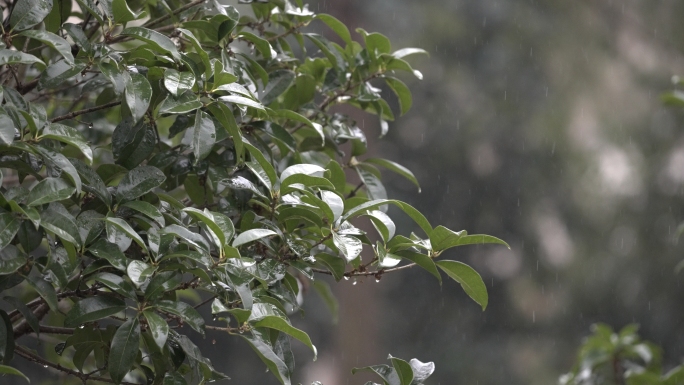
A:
(159, 156)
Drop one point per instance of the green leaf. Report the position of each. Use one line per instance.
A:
(403, 93)
(139, 272)
(109, 252)
(124, 349)
(116, 284)
(202, 137)
(68, 135)
(7, 342)
(49, 190)
(349, 246)
(191, 238)
(266, 166)
(383, 224)
(138, 182)
(138, 94)
(403, 370)
(178, 82)
(478, 239)
(225, 116)
(156, 40)
(416, 215)
(187, 313)
(8, 56)
(27, 13)
(148, 210)
(278, 82)
(376, 43)
(182, 104)
(92, 309)
(421, 371)
(53, 41)
(334, 201)
(337, 26)
(123, 14)
(11, 260)
(262, 45)
(92, 8)
(396, 167)
(4, 369)
(60, 222)
(421, 260)
(158, 327)
(402, 53)
(207, 218)
(25, 311)
(306, 169)
(78, 36)
(252, 235)
(388, 374)
(7, 129)
(270, 358)
(374, 187)
(442, 238)
(174, 378)
(126, 228)
(292, 115)
(241, 100)
(9, 225)
(62, 163)
(115, 75)
(44, 289)
(469, 279)
(278, 323)
(161, 283)
(199, 50)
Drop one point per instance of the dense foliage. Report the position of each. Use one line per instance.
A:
(620, 358)
(161, 157)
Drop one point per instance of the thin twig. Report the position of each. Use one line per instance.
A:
(45, 363)
(365, 273)
(168, 15)
(85, 111)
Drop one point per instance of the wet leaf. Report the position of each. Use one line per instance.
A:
(92, 309)
(53, 41)
(124, 349)
(469, 279)
(278, 323)
(27, 13)
(156, 40)
(158, 327)
(252, 235)
(138, 182)
(201, 137)
(49, 190)
(178, 82)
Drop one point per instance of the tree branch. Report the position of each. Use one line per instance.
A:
(85, 111)
(366, 273)
(168, 15)
(45, 363)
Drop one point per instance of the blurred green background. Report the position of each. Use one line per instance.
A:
(539, 122)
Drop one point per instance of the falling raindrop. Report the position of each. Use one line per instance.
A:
(377, 280)
(346, 278)
(355, 282)
(45, 366)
